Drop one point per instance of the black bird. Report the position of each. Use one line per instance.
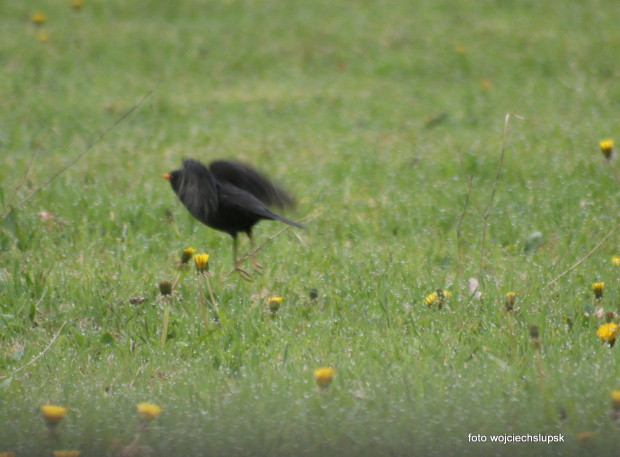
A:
(229, 197)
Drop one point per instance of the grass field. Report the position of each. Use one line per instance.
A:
(375, 115)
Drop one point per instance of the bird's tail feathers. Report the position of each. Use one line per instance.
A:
(286, 221)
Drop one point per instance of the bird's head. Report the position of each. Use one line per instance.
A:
(173, 178)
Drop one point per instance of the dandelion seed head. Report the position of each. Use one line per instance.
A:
(165, 288)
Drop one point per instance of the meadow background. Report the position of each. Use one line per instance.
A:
(361, 110)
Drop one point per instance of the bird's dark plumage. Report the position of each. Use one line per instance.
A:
(228, 196)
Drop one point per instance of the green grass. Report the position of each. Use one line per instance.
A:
(361, 110)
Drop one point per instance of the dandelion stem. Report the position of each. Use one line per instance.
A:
(217, 311)
(541, 381)
(202, 307)
(164, 333)
(613, 170)
(512, 342)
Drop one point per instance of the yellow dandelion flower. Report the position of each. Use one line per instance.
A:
(42, 36)
(274, 303)
(77, 4)
(431, 299)
(324, 376)
(607, 148)
(202, 262)
(485, 84)
(187, 254)
(67, 453)
(585, 437)
(437, 297)
(38, 18)
(53, 414)
(597, 288)
(615, 399)
(148, 411)
(510, 301)
(615, 261)
(607, 332)
(460, 49)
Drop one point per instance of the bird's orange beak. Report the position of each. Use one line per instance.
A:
(166, 176)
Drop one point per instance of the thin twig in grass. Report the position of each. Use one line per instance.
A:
(81, 154)
(260, 246)
(484, 214)
(584, 258)
(36, 306)
(458, 226)
(469, 182)
(599, 244)
(35, 149)
(252, 306)
(176, 281)
(37, 357)
(487, 211)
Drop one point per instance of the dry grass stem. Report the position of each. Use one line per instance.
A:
(81, 154)
(38, 355)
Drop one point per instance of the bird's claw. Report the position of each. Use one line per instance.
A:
(244, 274)
(257, 268)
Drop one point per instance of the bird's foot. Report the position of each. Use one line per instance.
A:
(244, 274)
(257, 267)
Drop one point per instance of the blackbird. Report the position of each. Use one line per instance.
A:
(229, 197)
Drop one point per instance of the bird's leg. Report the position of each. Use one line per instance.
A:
(244, 274)
(256, 267)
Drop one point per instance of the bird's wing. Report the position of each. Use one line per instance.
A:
(251, 181)
(238, 200)
(197, 190)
